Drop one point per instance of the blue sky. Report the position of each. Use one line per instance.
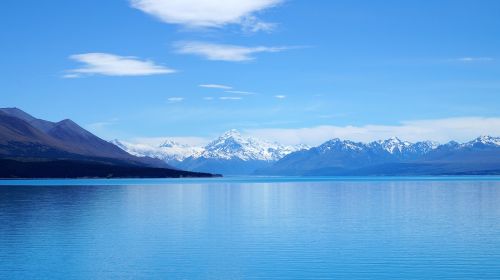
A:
(291, 70)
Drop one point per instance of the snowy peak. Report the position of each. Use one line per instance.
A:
(341, 145)
(232, 133)
(230, 141)
(484, 140)
(232, 145)
(169, 151)
(394, 145)
(424, 147)
(170, 144)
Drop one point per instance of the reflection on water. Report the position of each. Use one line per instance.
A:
(233, 229)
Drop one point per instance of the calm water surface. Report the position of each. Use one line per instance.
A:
(251, 228)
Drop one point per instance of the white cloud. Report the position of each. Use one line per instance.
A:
(208, 13)
(208, 98)
(280, 96)
(253, 24)
(221, 52)
(475, 59)
(114, 65)
(175, 99)
(230, 98)
(441, 130)
(240, 92)
(217, 86)
(71, 76)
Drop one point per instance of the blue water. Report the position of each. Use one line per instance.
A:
(251, 228)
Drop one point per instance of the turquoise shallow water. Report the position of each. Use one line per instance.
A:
(251, 228)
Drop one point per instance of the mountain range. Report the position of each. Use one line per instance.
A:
(31, 147)
(234, 154)
(392, 157)
(230, 154)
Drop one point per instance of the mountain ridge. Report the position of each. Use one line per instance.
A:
(386, 157)
(29, 145)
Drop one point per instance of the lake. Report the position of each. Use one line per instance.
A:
(251, 228)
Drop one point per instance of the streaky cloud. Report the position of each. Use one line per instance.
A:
(223, 52)
(240, 92)
(175, 99)
(474, 59)
(216, 86)
(114, 65)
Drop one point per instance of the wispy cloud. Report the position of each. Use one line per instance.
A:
(217, 86)
(240, 92)
(175, 99)
(114, 65)
(280, 96)
(208, 13)
(230, 98)
(474, 59)
(208, 98)
(71, 76)
(441, 130)
(253, 24)
(222, 52)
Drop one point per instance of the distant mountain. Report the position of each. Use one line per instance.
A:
(232, 145)
(26, 142)
(392, 157)
(231, 154)
(170, 152)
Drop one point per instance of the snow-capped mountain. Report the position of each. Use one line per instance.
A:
(393, 147)
(484, 140)
(234, 154)
(169, 151)
(232, 145)
(425, 147)
(340, 145)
